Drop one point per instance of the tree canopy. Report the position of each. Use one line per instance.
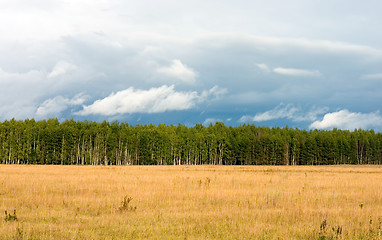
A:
(93, 143)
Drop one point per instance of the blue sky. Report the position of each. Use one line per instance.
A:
(306, 64)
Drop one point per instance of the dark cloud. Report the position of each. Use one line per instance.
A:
(270, 55)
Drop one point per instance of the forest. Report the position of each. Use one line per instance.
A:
(93, 143)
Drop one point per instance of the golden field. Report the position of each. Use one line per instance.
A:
(191, 202)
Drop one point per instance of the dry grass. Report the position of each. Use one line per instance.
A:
(191, 202)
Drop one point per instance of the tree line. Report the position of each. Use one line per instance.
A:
(92, 143)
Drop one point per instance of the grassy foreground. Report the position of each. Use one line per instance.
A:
(190, 202)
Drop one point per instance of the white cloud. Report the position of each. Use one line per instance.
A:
(314, 45)
(112, 45)
(344, 119)
(42, 19)
(209, 121)
(372, 76)
(291, 45)
(297, 72)
(288, 111)
(281, 111)
(311, 115)
(263, 67)
(215, 92)
(54, 106)
(179, 71)
(154, 100)
(61, 68)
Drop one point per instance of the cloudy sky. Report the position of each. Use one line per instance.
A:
(306, 64)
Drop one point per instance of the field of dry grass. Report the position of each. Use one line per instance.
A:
(191, 202)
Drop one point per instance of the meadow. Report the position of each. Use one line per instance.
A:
(190, 202)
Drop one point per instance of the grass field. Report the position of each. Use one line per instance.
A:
(190, 202)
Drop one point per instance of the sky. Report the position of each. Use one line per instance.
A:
(296, 63)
